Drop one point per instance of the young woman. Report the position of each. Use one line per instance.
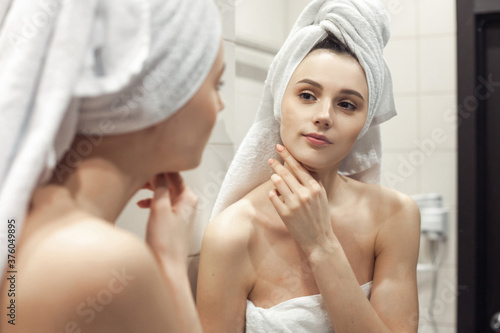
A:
(72, 270)
(291, 255)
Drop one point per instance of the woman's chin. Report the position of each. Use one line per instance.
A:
(313, 166)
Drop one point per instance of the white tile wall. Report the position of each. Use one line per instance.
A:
(249, 93)
(401, 56)
(438, 112)
(436, 17)
(427, 77)
(401, 131)
(437, 67)
(439, 175)
(403, 16)
(267, 28)
(399, 173)
(445, 302)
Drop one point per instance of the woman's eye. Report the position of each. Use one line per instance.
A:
(347, 106)
(307, 96)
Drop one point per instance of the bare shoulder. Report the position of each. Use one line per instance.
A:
(387, 204)
(232, 229)
(89, 272)
(397, 216)
(237, 225)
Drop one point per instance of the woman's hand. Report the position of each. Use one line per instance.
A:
(172, 212)
(302, 203)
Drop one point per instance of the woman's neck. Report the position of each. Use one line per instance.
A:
(104, 181)
(331, 180)
(100, 188)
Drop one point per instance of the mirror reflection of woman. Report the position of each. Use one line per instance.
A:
(310, 249)
(121, 94)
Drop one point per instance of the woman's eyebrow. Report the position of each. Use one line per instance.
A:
(312, 83)
(320, 87)
(352, 92)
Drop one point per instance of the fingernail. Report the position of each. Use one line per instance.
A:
(280, 148)
(270, 161)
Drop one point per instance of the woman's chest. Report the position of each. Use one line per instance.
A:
(282, 270)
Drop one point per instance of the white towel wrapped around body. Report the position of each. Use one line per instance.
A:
(100, 67)
(363, 26)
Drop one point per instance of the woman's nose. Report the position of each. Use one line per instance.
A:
(323, 116)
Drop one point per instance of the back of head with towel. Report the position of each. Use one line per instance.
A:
(97, 69)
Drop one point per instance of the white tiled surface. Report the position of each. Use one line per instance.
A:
(446, 296)
(450, 254)
(205, 181)
(439, 112)
(426, 29)
(439, 173)
(226, 9)
(401, 57)
(254, 58)
(436, 17)
(401, 131)
(249, 94)
(437, 68)
(268, 28)
(398, 173)
(403, 17)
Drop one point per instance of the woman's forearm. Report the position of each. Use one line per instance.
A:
(348, 308)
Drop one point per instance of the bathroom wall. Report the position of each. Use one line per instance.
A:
(419, 145)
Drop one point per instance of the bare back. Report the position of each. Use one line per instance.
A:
(77, 273)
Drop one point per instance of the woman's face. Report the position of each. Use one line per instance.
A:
(186, 133)
(327, 96)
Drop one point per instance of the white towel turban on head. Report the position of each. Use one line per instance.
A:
(362, 25)
(101, 67)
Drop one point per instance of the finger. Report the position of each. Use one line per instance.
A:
(162, 191)
(279, 205)
(282, 188)
(145, 203)
(302, 174)
(176, 184)
(147, 186)
(287, 176)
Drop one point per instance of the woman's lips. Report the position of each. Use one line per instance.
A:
(316, 140)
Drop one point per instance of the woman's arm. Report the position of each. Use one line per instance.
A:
(172, 212)
(225, 275)
(393, 306)
(303, 208)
